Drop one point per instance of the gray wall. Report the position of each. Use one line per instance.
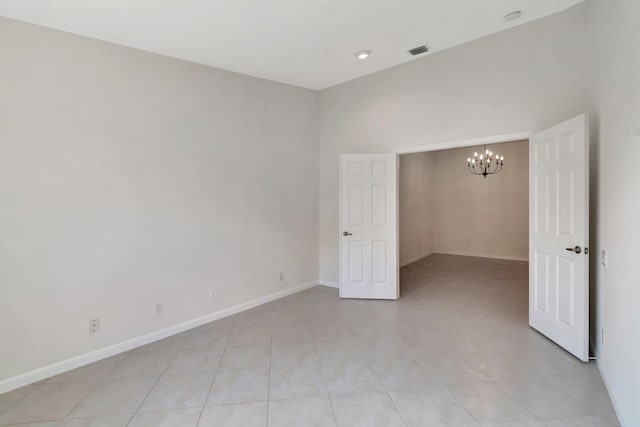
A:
(483, 217)
(615, 82)
(526, 78)
(129, 179)
(416, 184)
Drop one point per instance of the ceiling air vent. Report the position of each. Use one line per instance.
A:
(418, 50)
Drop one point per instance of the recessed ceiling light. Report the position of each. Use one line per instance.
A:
(513, 15)
(363, 54)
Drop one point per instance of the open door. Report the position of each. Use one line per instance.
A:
(368, 226)
(559, 235)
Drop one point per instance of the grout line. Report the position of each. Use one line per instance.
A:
(214, 377)
(97, 384)
(155, 384)
(35, 387)
(458, 404)
(324, 380)
(387, 393)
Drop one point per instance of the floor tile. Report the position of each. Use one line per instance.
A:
(315, 411)
(170, 345)
(112, 421)
(192, 361)
(340, 352)
(42, 424)
(488, 404)
(586, 388)
(430, 407)
(239, 386)
(174, 418)
(297, 335)
(115, 397)
(294, 354)
(9, 399)
(608, 420)
(246, 357)
(46, 403)
(350, 378)
(178, 391)
(244, 414)
(219, 327)
(205, 340)
(142, 364)
(288, 382)
(403, 374)
(544, 400)
(250, 335)
(92, 373)
(372, 409)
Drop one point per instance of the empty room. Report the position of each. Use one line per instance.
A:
(321, 213)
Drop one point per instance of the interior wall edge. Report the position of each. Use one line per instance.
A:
(329, 284)
(477, 255)
(415, 259)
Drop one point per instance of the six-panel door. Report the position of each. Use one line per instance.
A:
(559, 229)
(368, 220)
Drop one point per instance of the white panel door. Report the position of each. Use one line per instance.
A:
(368, 226)
(559, 235)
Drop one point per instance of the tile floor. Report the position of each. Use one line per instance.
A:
(454, 351)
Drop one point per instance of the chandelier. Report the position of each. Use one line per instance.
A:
(486, 163)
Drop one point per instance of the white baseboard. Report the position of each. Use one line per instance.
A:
(102, 353)
(616, 408)
(414, 259)
(329, 284)
(476, 255)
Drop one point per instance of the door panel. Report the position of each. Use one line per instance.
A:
(559, 204)
(368, 214)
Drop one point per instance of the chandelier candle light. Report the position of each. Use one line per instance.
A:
(486, 163)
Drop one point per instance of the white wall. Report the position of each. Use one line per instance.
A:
(127, 179)
(416, 181)
(615, 82)
(526, 78)
(483, 217)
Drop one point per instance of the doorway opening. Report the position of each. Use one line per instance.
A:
(444, 209)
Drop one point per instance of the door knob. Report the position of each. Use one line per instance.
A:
(346, 233)
(577, 249)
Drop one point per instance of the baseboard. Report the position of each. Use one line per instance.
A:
(105, 352)
(476, 255)
(329, 284)
(616, 408)
(414, 259)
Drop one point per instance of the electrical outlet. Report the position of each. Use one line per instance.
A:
(281, 276)
(603, 258)
(159, 309)
(602, 336)
(212, 295)
(94, 325)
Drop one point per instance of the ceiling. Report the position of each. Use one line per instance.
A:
(308, 43)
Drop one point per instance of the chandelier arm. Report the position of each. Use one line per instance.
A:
(474, 169)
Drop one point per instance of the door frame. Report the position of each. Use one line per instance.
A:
(457, 143)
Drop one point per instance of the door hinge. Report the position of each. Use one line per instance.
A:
(586, 251)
